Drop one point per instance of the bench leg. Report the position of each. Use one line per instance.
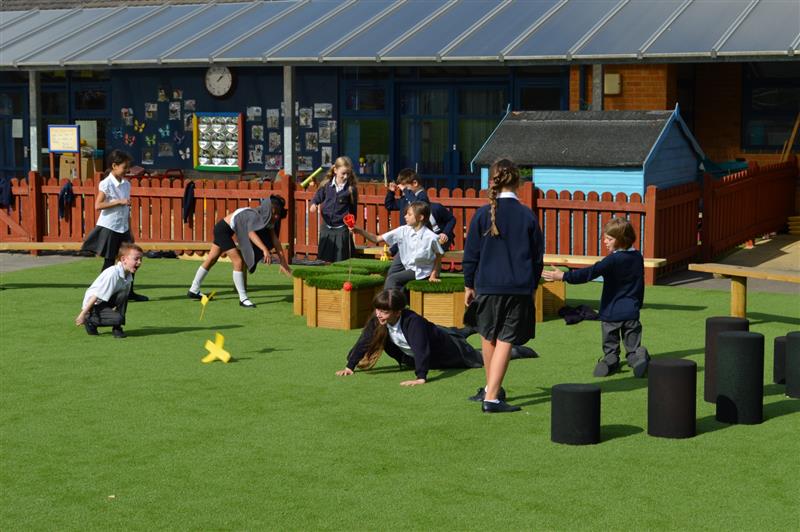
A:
(739, 297)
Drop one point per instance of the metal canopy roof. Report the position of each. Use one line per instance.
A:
(486, 32)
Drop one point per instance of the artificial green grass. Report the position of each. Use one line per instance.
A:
(334, 281)
(371, 265)
(448, 284)
(276, 441)
(306, 272)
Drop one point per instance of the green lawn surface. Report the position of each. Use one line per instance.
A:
(98, 433)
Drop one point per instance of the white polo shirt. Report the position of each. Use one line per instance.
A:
(115, 218)
(417, 249)
(398, 338)
(112, 280)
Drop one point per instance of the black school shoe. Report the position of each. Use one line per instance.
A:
(91, 328)
(137, 297)
(194, 295)
(498, 408)
(118, 332)
(604, 369)
(481, 395)
(246, 305)
(639, 361)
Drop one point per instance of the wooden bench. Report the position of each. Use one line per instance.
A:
(738, 276)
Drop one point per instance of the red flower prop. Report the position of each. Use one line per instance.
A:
(349, 220)
(347, 286)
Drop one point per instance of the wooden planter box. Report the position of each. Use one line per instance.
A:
(550, 297)
(338, 309)
(445, 309)
(298, 304)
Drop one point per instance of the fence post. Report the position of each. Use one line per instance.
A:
(649, 240)
(286, 186)
(34, 214)
(705, 224)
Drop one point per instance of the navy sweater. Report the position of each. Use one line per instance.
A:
(432, 346)
(510, 263)
(445, 221)
(406, 197)
(335, 205)
(623, 284)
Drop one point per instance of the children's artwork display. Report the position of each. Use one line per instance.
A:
(218, 142)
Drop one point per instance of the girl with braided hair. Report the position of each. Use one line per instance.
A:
(503, 260)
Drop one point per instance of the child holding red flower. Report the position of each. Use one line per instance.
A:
(338, 197)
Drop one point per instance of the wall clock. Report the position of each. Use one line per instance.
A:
(219, 81)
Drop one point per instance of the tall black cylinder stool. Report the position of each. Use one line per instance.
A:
(671, 392)
(793, 364)
(779, 360)
(575, 414)
(740, 377)
(714, 326)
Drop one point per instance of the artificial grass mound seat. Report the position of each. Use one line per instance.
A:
(328, 305)
(301, 273)
(442, 302)
(370, 265)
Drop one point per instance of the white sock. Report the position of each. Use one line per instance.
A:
(238, 282)
(198, 279)
(491, 401)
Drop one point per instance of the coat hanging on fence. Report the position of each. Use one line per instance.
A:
(65, 199)
(5, 192)
(188, 201)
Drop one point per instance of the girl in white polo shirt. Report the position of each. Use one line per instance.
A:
(113, 225)
(418, 247)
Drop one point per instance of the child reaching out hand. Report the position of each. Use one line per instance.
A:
(418, 247)
(623, 295)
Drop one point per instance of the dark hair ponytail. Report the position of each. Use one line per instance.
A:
(502, 174)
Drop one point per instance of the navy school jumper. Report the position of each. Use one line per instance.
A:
(511, 263)
(335, 205)
(432, 347)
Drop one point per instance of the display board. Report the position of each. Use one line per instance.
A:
(63, 139)
(218, 142)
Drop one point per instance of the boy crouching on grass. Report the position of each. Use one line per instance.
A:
(106, 300)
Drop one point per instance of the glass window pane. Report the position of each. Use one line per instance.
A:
(10, 103)
(364, 138)
(481, 101)
(472, 134)
(91, 100)
(365, 99)
(54, 103)
(540, 99)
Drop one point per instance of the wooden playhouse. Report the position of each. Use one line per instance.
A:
(601, 151)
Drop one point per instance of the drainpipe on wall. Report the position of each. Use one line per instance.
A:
(597, 87)
(288, 121)
(34, 119)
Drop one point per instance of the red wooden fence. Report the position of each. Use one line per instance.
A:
(747, 204)
(736, 208)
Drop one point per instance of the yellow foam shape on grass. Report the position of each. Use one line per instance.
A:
(216, 351)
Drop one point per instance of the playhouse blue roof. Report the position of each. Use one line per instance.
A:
(355, 32)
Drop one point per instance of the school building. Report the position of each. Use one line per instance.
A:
(418, 84)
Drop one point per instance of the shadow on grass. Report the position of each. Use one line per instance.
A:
(667, 306)
(155, 331)
(542, 396)
(781, 408)
(446, 374)
(709, 424)
(774, 389)
(760, 317)
(613, 432)
(680, 354)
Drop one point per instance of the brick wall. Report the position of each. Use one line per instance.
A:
(644, 87)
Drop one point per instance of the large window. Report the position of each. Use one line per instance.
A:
(479, 112)
(366, 137)
(770, 104)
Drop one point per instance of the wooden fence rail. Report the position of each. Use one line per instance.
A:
(735, 209)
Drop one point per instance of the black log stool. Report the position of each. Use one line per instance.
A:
(793, 364)
(779, 360)
(740, 377)
(714, 326)
(671, 391)
(575, 414)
